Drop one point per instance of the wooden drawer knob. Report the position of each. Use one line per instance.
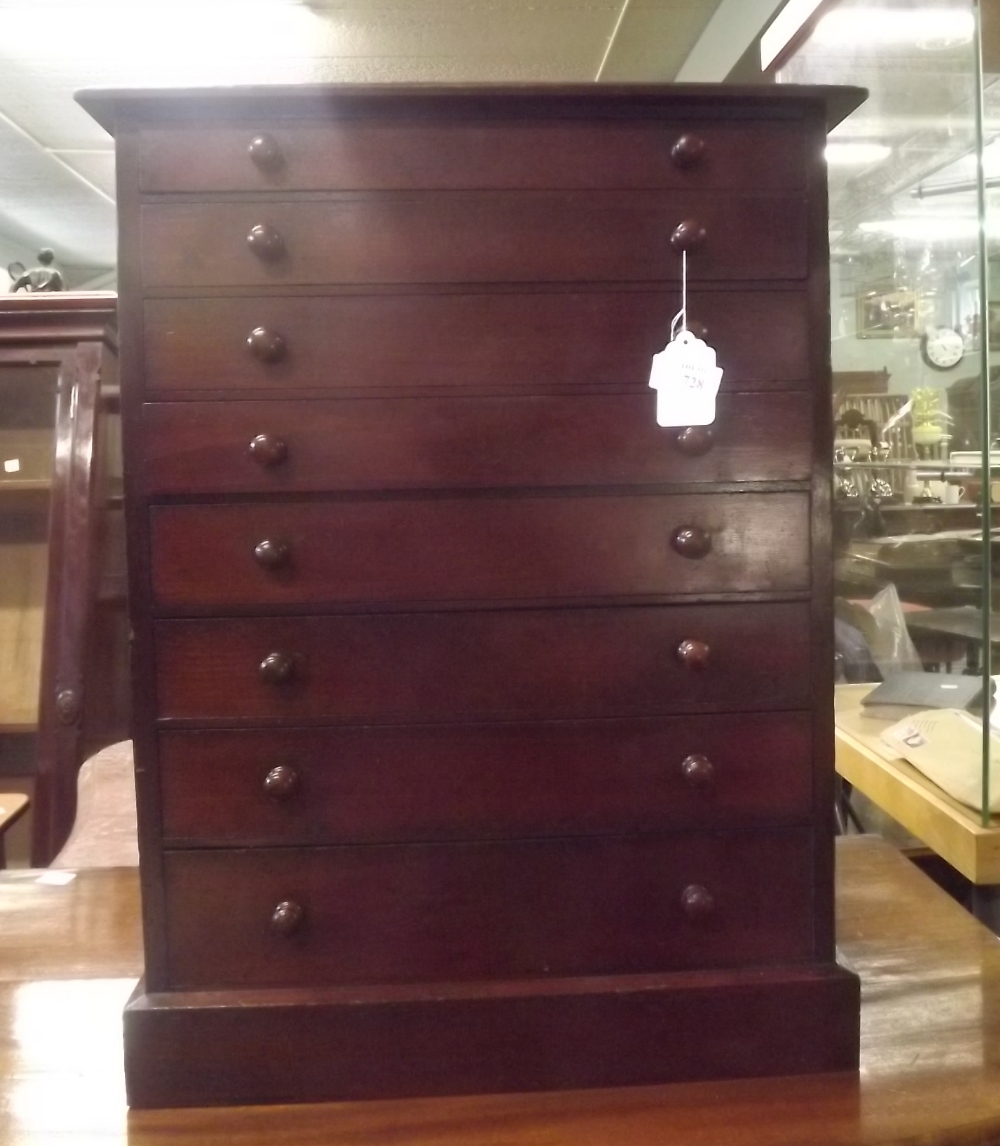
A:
(693, 654)
(287, 917)
(694, 441)
(698, 329)
(266, 154)
(697, 901)
(698, 771)
(691, 541)
(272, 553)
(267, 244)
(688, 236)
(688, 151)
(281, 782)
(266, 345)
(268, 450)
(277, 668)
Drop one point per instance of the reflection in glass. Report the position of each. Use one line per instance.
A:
(914, 261)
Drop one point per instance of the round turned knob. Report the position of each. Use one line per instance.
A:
(267, 450)
(68, 705)
(694, 441)
(691, 541)
(266, 154)
(277, 668)
(693, 654)
(272, 553)
(266, 345)
(287, 917)
(697, 901)
(688, 151)
(698, 770)
(687, 236)
(698, 329)
(281, 782)
(267, 244)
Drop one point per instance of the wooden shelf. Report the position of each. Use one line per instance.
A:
(26, 485)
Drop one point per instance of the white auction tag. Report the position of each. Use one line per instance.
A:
(686, 380)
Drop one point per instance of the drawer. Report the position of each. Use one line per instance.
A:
(316, 446)
(477, 549)
(441, 782)
(516, 664)
(394, 154)
(509, 342)
(425, 912)
(543, 237)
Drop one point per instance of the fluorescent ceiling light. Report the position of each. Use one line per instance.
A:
(783, 27)
(845, 154)
(186, 41)
(870, 27)
(925, 228)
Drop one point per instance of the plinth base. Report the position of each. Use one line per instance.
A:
(269, 1046)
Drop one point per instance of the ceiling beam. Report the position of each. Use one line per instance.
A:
(734, 25)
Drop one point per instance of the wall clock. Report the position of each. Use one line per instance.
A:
(941, 347)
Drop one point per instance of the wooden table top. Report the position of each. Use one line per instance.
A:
(930, 1053)
(948, 828)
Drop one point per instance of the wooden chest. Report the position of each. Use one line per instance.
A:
(483, 727)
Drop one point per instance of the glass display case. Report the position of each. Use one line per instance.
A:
(915, 348)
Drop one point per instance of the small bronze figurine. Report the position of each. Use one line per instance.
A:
(41, 278)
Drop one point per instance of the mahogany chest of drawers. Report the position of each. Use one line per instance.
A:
(483, 727)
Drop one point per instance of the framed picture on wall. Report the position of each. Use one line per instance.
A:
(887, 312)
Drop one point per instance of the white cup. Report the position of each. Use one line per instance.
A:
(953, 494)
(938, 489)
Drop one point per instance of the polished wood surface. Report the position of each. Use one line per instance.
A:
(930, 1020)
(508, 565)
(483, 665)
(358, 445)
(324, 553)
(451, 237)
(359, 155)
(446, 782)
(508, 342)
(503, 910)
(952, 830)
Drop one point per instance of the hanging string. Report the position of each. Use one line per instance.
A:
(682, 314)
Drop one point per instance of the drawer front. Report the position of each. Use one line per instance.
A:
(472, 238)
(350, 155)
(316, 446)
(524, 664)
(347, 344)
(428, 912)
(447, 782)
(477, 549)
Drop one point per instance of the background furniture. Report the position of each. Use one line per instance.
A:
(464, 747)
(961, 625)
(948, 828)
(105, 833)
(930, 1060)
(62, 617)
(13, 805)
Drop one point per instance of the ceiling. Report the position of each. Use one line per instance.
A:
(57, 167)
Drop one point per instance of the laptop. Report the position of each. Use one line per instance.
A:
(904, 692)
